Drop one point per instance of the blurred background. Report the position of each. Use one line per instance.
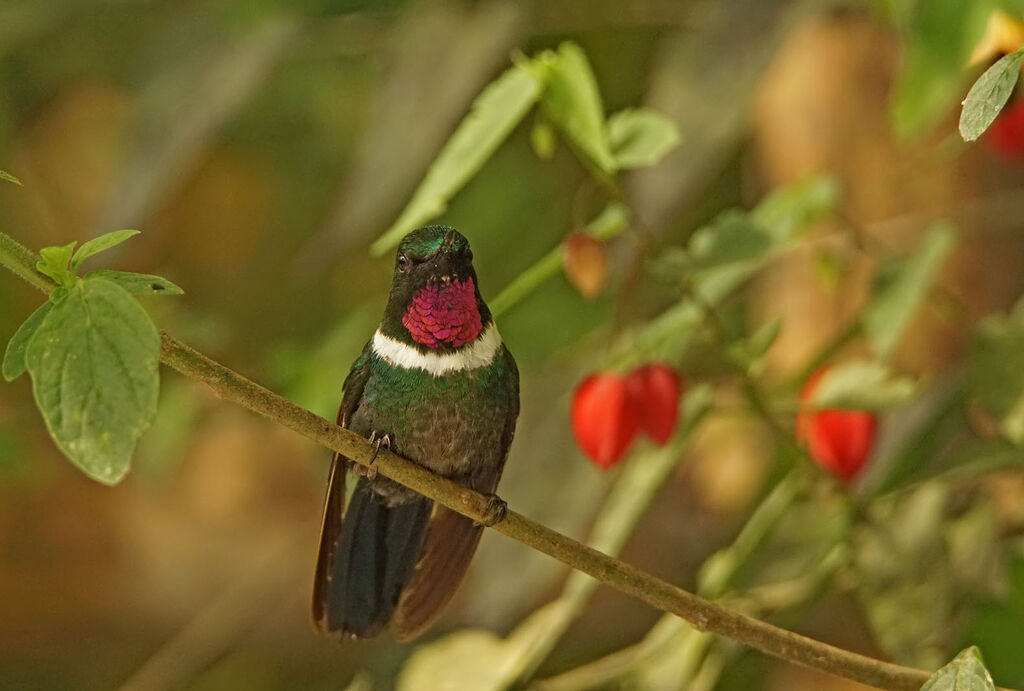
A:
(261, 147)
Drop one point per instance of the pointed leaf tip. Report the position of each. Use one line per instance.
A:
(988, 95)
(100, 244)
(966, 672)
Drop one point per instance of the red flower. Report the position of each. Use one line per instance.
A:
(609, 409)
(1006, 135)
(603, 420)
(839, 441)
(655, 390)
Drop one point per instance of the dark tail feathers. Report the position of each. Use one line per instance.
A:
(372, 560)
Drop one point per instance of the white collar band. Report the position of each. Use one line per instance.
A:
(479, 353)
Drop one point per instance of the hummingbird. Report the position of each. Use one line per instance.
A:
(436, 385)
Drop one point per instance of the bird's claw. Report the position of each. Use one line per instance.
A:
(383, 440)
(368, 470)
(495, 511)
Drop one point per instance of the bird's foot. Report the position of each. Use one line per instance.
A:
(369, 470)
(383, 440)
(495, 511)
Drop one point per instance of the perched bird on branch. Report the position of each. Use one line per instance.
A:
(436, 385)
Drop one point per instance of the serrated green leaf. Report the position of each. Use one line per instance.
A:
(862, 385)
(572, 101)
(495, 113)
(138, 284)
(94, 365)
(965, 673)
(100, 244)
(14, 357)
(4, 175)
(640, 137)
(55, 262)
(895, 302)
(988, 95)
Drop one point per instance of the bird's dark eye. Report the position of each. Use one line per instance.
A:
(403, 262)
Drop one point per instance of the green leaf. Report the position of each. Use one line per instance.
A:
(789, 210)
(640, 137)
(55, 262)
(782, 215)
(99, 244)
(4, 175)
(965, 673)
(731, 237)
(862, 385)
(903, 288)
(750, 351)
(996, 371)
(572, 101)
(941, 35)
(94, 365)
(998, 626)
(138, 284)
(988, 95)
(496, 111)
(14, 357)
(904, 585)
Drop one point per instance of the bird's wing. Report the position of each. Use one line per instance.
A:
(334, 504)
(451, 540)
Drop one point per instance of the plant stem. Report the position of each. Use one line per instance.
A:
(702, 614)
(714, 579)
(22, 261)
(609, 223)
(751, 392)
(526, 282)
(838, 342)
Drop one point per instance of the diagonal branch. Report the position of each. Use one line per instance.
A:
(702, 614)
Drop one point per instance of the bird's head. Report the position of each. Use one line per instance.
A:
(435, 302)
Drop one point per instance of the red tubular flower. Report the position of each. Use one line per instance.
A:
(655, 390)
(608, 410)
(839, 441)
(604, 421)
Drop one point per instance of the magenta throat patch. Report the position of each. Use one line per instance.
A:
(444, 313)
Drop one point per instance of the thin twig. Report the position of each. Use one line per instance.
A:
(702, 614)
